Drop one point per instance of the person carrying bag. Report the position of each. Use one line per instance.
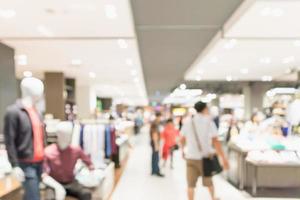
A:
(202, 150)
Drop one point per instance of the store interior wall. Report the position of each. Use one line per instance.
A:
(54, 94)
(8, 82)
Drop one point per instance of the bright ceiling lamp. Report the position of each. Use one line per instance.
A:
(276, 91)
(7, 13)
(21, 60)
(267, 78)
(76, 62)
(296, 43)
(288, 60)
(198, 78)
(129, 62)
(213, 60)
(27, 74)
(182, 86)
(244, 71)
(111, 11)
(271, 12)
(230, 44)
(122, 44)
(92, 75)
(44, 31)
(265, 60)
(229, 78)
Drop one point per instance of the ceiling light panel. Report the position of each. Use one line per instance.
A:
(100, 60)
(92, 18)
(266, 19)
(249, 60)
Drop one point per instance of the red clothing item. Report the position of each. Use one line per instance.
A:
(60, 164)
(169, 135)
(38, 135)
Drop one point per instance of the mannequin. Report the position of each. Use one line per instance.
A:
(60, 160)
(293, 116)
(24, 137)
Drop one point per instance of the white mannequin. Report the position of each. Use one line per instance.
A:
(32, 92)
(64, 138)
(293, 116)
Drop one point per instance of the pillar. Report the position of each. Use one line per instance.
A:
(8, 82)
(54, 94)
(86, 100)
(253, 97)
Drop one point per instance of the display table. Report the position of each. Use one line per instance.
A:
(10, 188)
(268, 175)
(247, 172)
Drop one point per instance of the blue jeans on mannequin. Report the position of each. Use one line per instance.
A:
(31, 185)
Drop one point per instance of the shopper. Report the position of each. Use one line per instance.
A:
(200, 130)
(155, 145)
(169, 137)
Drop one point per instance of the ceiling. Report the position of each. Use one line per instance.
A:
(172, 33)
(258, 43)
(92, 41)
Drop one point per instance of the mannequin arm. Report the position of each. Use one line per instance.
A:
(86, 159)
(60, 192)
(18, 174)
(10, 125)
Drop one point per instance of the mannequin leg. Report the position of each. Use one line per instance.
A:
(32, 181)
(78, 191)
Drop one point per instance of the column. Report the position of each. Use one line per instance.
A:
(254, 95)
(86, 100)
(8, 82)
(54, 94)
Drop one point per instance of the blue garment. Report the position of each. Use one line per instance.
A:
(155, 163)
(81, 136)
(108, 147)
(31, 185)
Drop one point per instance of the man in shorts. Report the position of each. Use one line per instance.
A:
(208, 138)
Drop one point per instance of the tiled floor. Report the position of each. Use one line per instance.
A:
(137, 184)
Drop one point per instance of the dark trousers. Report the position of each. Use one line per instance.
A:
(155, 162)
(31, 184)
(73, 189)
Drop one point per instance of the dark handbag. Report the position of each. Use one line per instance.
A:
(211, 165)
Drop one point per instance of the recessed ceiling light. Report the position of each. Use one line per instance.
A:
(133, 72)
(182, 86)
(27, 74)
(229, 78)
(244, 71)
(267, 78)
(44, 31)
(111, 11)
(7, 13)
(122, 44)
(21, 59)
(296, 43)
(288, 60)
(271, 12)
(265, 60)
(200, 71)
(230, 44)
(92, 75)
(129, 62)
(213, 60)
(198, 78)
(76, 62)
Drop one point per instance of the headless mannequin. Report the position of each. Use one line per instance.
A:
(64, 138)
(32, 91)
(293, 116)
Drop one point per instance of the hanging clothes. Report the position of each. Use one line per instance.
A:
(108, 149)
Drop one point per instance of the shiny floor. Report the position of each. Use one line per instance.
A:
(137, 184)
